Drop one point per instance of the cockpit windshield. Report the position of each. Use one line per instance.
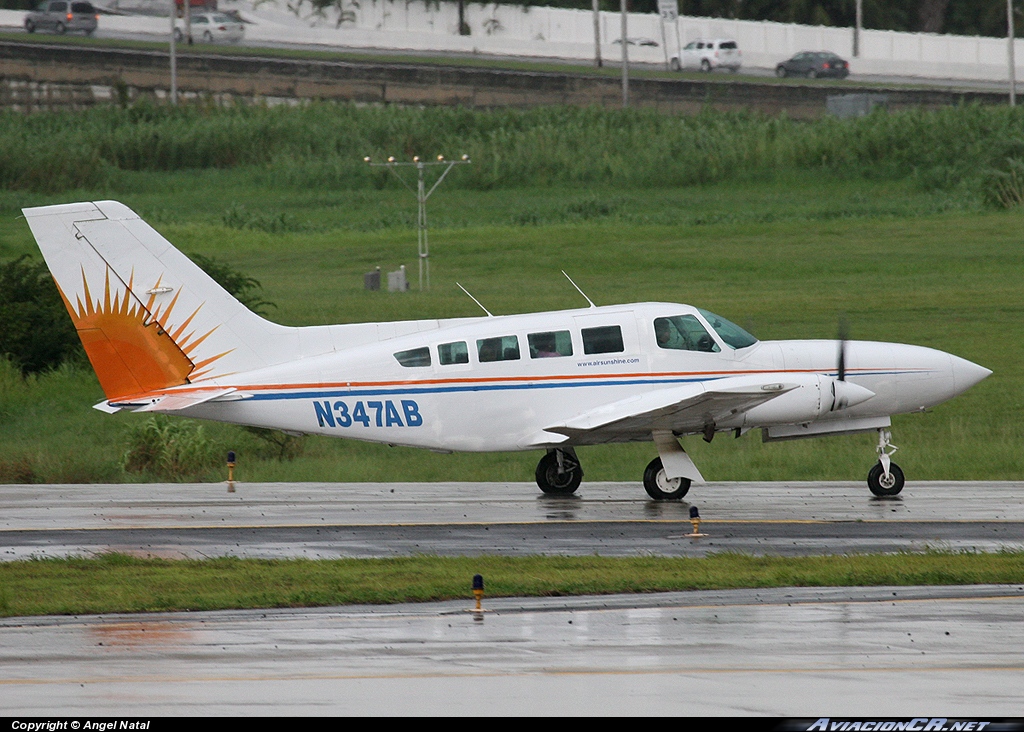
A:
(729, 332)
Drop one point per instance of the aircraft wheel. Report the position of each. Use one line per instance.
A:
(661, 488)
(882, 486)
(553, 483)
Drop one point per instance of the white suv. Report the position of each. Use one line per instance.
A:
(709, 55)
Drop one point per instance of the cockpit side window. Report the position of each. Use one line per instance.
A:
(503, 348)
(731, 333)
(414, 357)
(683, 333)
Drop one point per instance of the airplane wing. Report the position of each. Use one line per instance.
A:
(679, 409)
(169, 402)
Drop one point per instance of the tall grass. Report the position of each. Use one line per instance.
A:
(323, 144)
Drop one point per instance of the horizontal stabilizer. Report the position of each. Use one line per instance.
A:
(173, 401)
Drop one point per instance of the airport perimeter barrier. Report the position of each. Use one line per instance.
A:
(569, 34)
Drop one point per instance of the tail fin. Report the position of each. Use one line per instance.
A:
(148, 317)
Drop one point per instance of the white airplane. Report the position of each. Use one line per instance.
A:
(162, 336)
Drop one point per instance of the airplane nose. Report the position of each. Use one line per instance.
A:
(966, 374)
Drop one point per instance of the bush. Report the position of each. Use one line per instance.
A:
(35, 330)
(174, 449)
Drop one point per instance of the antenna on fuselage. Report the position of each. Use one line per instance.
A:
(579, 290)
(489, 314)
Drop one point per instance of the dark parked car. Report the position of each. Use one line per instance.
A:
(814, 65)
(62, 16)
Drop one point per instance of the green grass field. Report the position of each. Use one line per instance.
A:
(120, 583)
(783, 227)
(786, 259)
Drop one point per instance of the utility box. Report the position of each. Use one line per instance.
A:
(371, 280)
(855, 105)
(397, 281)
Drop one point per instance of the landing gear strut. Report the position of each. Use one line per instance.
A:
(886, 478)
(559, 472)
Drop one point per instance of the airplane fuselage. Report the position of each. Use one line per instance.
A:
(479, 402)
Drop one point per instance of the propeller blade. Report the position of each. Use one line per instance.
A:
(844, 332)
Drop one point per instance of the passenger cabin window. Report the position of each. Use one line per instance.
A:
(449, 353)
(605, 339)
(683, 333)
(552, 344)
(415, 357)
(503, 348)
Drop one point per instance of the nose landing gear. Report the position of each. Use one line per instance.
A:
(886, 477)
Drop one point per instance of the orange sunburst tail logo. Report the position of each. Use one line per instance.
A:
(128, 343)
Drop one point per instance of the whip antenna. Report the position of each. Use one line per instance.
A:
(577, 290)
(489, 314)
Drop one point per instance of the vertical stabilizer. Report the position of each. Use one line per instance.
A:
(148, 317)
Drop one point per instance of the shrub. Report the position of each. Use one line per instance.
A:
(35, 330)
(175, 449)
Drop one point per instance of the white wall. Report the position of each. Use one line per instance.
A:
(558, 33)
(568, 34)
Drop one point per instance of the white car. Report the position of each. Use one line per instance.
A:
(719, 53)
(211, 27)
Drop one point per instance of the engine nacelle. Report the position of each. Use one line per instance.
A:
(816, 397)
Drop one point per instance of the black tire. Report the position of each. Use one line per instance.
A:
(780, 71)
(30, 27)
(676, 66)
(553, 483)
(882, 487)
(178, 35)
(207, 37)
(661, 488)
(705, 66)
(812, 74)
(61, 29)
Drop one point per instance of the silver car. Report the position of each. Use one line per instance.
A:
(210, 27)
(61, 16)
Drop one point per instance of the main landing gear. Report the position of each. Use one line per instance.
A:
(886, 478)
(661, 488)
(559, 472)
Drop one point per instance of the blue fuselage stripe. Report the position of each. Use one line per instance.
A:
(414, 390)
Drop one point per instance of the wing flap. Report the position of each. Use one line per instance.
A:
(679, 409)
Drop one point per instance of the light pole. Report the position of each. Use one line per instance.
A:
(174, 65)
(422, 194)
(1009, 45)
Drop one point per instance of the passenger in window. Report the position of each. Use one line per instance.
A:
(668, 335)
(546, 347)
(490, 350)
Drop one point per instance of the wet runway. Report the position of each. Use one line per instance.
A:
(612, 519)
(890, 652)
(894, 652)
